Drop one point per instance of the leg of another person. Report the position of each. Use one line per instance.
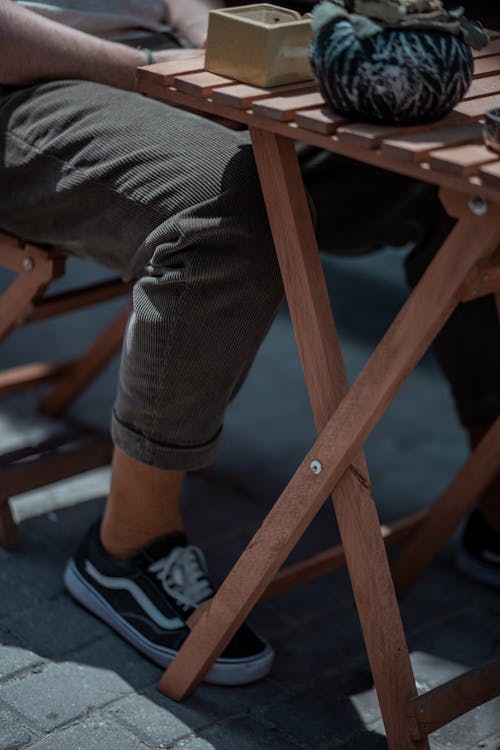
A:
(360, 209)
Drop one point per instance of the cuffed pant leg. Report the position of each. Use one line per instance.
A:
(174, 201)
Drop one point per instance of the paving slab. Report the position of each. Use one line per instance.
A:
(242, 733)
(14, 659)
(61, 693)
(55, 627)
(90, 734)
(160, 723)
(119, 657)
(13, 735)
(69, 683)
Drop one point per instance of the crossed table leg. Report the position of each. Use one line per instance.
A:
(344, 418)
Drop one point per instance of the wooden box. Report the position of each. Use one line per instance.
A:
(261, 44)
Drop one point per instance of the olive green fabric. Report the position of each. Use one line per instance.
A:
(369, 17)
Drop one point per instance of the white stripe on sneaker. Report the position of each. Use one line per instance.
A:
(166, 623)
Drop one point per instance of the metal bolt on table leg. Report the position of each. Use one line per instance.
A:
(28, 264)
(478, 205)
(316, 466)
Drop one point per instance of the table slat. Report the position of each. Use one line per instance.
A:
(464, 160)
(242, 95)
(487, 66)
(417, 147)
(201, 84)
(475, 108)
(283, 108)
(491, 174)
(320, 120)
(165, 72)
(370, 135)
(483, 87)
(492, 48)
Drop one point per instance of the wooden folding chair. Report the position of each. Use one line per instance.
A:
(25, 301)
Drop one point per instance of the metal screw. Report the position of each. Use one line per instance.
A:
(28, 264)
(316, 466)
(425, 727)
(421, 709)
(485, 277)
(478, 205)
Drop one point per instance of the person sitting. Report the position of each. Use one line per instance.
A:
(173, 201)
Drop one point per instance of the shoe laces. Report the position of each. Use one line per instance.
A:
(183, 575)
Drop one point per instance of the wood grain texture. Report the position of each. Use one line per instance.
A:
(344, 426)
(487, 66)
(320, 120)
(76, 299)
(16, 302)
(483, 87)
(284, 108)
(485, 279)
(475, 108)
(493, 48)
(491, 173)
(418, 146)
(242, 95)
(164, 73)
(446, 702)
(16, 379)
(461, 160)
(55, 466)
(356, 514)
(200, 84)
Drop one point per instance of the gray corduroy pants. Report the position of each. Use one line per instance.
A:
(173, 201)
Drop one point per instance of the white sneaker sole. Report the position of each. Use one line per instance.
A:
(223, 672)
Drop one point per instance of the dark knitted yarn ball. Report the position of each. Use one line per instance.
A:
(396, 76)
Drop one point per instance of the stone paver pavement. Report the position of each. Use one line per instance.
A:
(67, 682)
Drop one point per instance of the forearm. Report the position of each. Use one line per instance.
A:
(34, 49)
(190, 17)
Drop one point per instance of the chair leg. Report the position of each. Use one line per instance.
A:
(16, 302)
(85, 368)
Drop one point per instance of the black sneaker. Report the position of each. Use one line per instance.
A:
(479, 554)
(148, 597)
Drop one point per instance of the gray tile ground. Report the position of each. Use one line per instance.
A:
(12, 732)
(66, 682)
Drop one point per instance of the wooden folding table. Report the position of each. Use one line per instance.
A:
(452, 155)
